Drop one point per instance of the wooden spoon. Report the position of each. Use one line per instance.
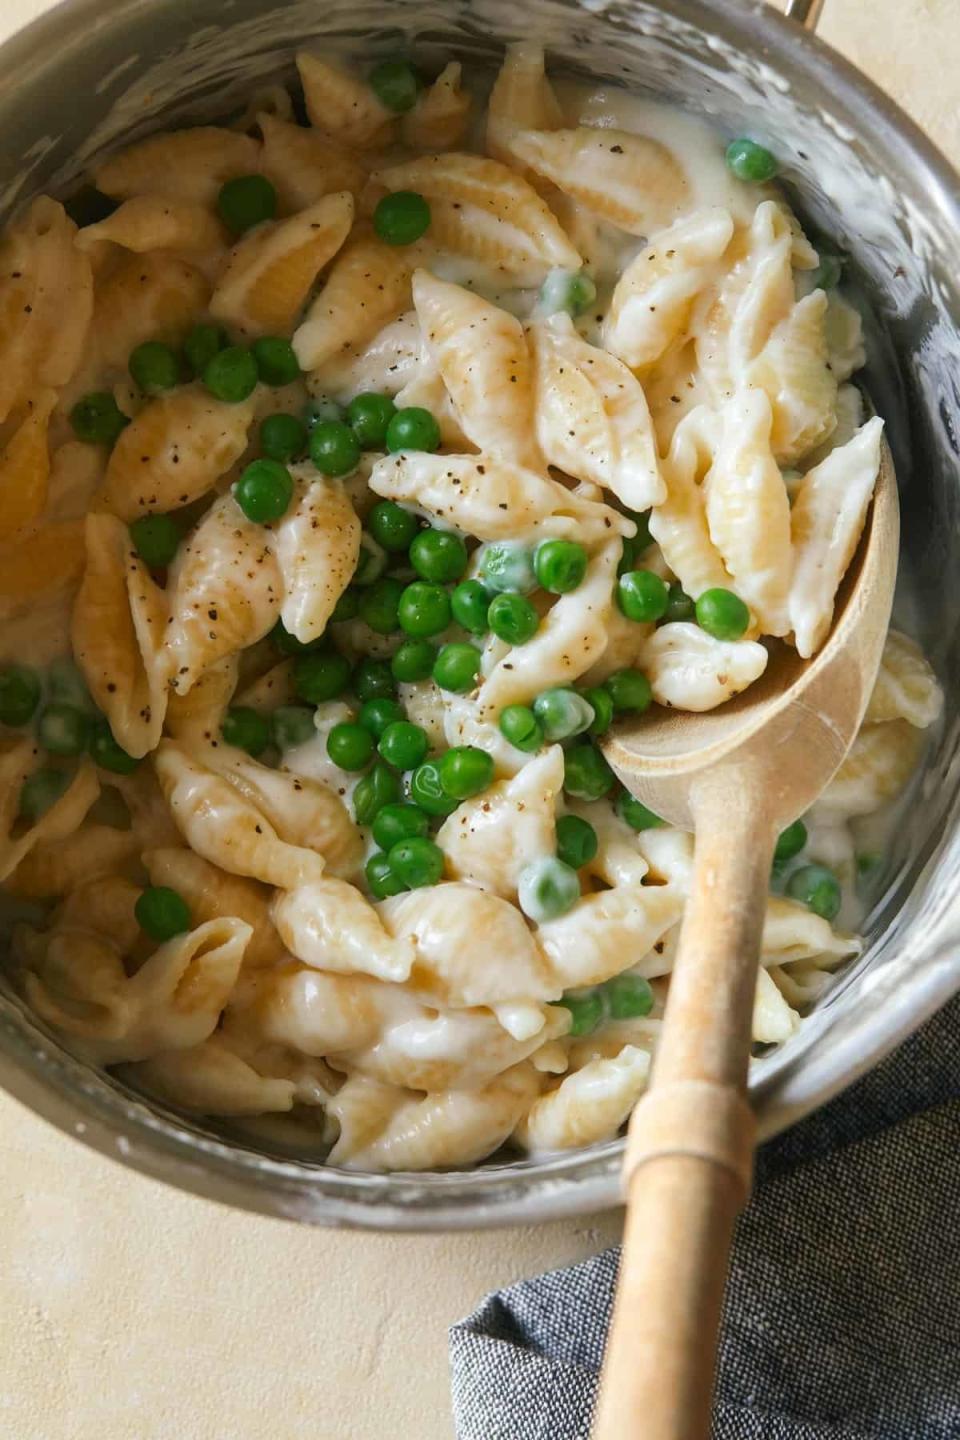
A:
(738, 776)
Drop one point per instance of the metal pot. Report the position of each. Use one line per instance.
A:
(93, 73)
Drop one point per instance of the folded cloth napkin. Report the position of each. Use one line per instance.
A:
(842, 1317)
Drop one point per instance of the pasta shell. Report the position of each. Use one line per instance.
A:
(173, 452)
(472, 948)
(843, 328)
(629, 180)
(571, 638)
(55, 867)
(317, 545)
(391, 359)
(589, 943)
(225, 827)
(679, 523)
(774, 1020)
(490, 839)
(103, 906)
(45, 562)
(653, 299)
(877, 767)
(329, 924)
(210, 892)
(591, 416)
(793, 932)
(481, 353)
(270, 273)
(344, 106)
(484, 210)
(119, 635)
(367, 287)
(906, 688)
(793, 369)
(492, 499)
(827, 520)
(618, 860)
(225, 591)
(211, 1080)
(587, 1106)
(690, 670)
(184, 164)
(25, 468)
(18, 761)
(158, 222)
(748, 512)
(304, 165)
(149, 297)
(76, 473)
(522, 99)
(440, 117)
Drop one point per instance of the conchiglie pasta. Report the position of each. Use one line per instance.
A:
(591, 942)
(522, 99)
(44, 562)
(210, 892)
(440, 117)
(632, 181)
(329, 924)
(906, 688)
(158, 222)
(19, 759)
(368, 285)
(879, 764)
(343, 106)
(691, 670)
(304, 165)
(588, 1106)
(317, 545)
(56, 867)
(145, 297)
(679, 524)
(25, 467)
(186, 165)
(270, 272)
(210, 1079)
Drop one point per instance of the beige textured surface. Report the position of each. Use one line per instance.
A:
(130, 1312)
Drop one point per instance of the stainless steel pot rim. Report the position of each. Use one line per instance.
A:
(85, 1104)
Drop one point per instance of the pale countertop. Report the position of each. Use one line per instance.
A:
(129, 1311)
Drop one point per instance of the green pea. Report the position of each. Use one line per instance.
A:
(292, 725)
(560, 565)
(465, 770)
(372, 561)
(816, 887)
(395, 84)
(413, 661)
(512, 618)
(200, 346)
(427, 791)
(586, 1011)
(520, 726)
(368, 416)
(381, 879)
(562, 713)
(264, 491)
(547, 889)
(642, 596)
(40, 791)
(392, 526)
(629, 690)
(469, 603)
(162, 913)
(424, 609)
(245, 201)
(231, 376)
(439, 556)
(413, 429)
(334, 449)
(107, 754)
(373, 679)
(722, 614)
(602, 703)
(379, 787)
(635, 813)
(320, 676)
(283, 438)
(417, 862)
(569, 290)
(350, 746)
(399, 822)
(790, 842)
(63, 730)
(288, 644)
(679, 604)
(401, 217)
(829, 272)
(19, 694)
(377, 713)
(586, 774)
(867, 865)
(403, 745)
(156, 539)
(577, 842)
(276, 359)
(457, 667)
(628, 997)
(347, 606)
(246, 728)
(154, 367)
(97, 419)
(507, 566)
(379, 604)
(751, 162)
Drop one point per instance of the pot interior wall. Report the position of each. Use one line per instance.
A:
(94, 75)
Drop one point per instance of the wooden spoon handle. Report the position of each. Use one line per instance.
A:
(689, 1153)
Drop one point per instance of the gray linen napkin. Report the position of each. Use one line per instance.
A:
(842, 1319)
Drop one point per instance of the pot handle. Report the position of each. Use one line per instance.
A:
(805, 12)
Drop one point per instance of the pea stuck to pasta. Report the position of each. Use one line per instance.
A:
(355, 477)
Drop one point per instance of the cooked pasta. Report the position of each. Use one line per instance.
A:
(352, 483)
